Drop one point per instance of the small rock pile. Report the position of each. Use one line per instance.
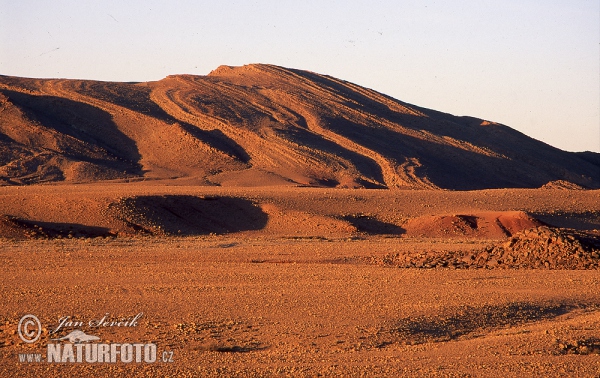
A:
(589, 346)
(536, 248)
(562, 184)
(544, 248)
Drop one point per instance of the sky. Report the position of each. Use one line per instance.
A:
(532, 65)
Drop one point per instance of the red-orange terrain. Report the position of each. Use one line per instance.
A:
(261, 124)
(267, 221)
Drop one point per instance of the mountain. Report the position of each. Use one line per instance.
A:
(263, 125)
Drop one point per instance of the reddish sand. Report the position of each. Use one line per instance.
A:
(280, 281)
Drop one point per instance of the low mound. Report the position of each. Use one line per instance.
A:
(439, 226)
(187, 215)
(513, 221)
(478, 225)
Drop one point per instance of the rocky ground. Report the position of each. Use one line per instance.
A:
(305, 282)
(536, 248)
(222, 305)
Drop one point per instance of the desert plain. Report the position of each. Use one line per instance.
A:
(310, 283)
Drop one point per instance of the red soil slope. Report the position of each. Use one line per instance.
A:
(262, 125)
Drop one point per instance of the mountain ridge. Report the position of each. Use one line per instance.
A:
(262, 125)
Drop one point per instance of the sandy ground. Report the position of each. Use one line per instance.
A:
(305, 294)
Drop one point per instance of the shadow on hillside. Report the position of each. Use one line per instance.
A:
(449, 166)
(217, 139)
(128, 95)
(481, 156)
(96, 138)
(365, 165)
(138, 99)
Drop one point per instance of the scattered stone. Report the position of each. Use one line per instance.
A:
(548, 248)
(588, 346)
(562, 184)
(536, 248)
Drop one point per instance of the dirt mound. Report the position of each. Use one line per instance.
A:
(477, 225)
(442, 226)
(514, 221)
(187, 215)
(263, 125)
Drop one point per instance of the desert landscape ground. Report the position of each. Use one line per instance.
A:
(304, 281)
(262, 221)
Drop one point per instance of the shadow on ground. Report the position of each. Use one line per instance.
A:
(372, 225)
(471, 321)
(16, 228)
(587, 220)
(188, 215)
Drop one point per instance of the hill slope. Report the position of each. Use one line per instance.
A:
(261, 125)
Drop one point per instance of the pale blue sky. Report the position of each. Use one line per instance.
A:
(532, 65)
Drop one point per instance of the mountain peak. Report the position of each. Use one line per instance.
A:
(261, 124)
